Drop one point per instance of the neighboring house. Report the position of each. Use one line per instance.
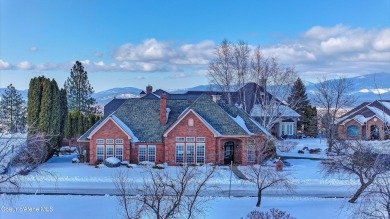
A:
(250, 98)
(162, 127)
(368, 121)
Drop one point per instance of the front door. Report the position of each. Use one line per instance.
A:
(229, 152)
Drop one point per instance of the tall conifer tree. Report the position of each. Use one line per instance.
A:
(79, 90)
(13, 110)
(300, 103)
(46, 104)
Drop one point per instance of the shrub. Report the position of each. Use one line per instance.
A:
(112, 162)
(272, 214)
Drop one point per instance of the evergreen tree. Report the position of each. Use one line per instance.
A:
(13, 110)
(311, 128)
(34, 102)
(299, 102)
(79, 90)
(298, 98)
(45, 95)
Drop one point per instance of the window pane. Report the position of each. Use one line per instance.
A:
(179, 153)
(352, 130)
(119, 152)
(190, 152)
(109, 151)
(200, 152)
(99, 152)
(152, 153)
(251, 156)
(100, 141)
(109, 141)
(200, 139)
(142, 153)
(118, 141)
(180, 139)
(190, 139)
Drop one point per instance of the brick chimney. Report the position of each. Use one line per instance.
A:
(163, 109)
(149, 89)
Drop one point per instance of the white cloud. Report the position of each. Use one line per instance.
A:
(178, 76)
(33, 49)
(151, 50)
(320, 50)
(382, 41)
(25, 65)
(5, 65)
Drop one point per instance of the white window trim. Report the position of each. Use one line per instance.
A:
(100, 141)
(189, 139)
(109, 147)
(139, 150)
(119, 141)
(193, 152)
(97, 150)
(183, 145)
(155, 151)
(180, 139)
(204, 152)
(118, 147)
(110, 141)
(198, 139)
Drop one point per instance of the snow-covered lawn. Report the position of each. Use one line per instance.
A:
(313, 197)
(80, 207)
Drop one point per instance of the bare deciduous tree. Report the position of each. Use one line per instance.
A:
(220, 70)
(275, 83)
(376, 200)
(163, 195)
(333, 95)
(356, 158)
(19, 156)
(262, 175)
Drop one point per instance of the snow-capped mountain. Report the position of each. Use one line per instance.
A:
(103, 97)
(366, 88)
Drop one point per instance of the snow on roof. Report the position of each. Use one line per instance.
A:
(260, 127)
(386, 104)
(240, 121)
(360, 119)
(125, 128)
(380, 114)
(287, 111)
(282, 109)
(156, 95)
(168, 110)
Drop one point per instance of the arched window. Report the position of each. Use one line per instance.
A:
(352, 131)
(190, 122)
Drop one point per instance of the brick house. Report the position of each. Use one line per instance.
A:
(368, 121)
(173, 130)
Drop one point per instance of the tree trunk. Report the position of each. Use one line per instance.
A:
(258, 198)
(359, 192)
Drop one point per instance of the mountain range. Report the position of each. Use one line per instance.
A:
(368, 87)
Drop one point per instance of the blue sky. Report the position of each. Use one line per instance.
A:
(168, 43)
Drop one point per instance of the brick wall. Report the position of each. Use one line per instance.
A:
(182, 129)
(109, 131)
(160, 152)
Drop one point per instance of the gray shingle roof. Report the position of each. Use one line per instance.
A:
(142, 116)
